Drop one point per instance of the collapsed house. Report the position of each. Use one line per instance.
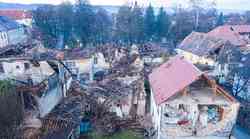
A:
(112, 103)
(43, 82)
(124, 87)
(200, 48)
(238, 35)
(63, 122)
(11, 33)
(154, 53)
(186, 103)
(85, 63)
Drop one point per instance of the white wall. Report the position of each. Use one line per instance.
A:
(17, 70)
(155, 111)
(195, 59)
(3, 39)
(85, 65)
(16, 36)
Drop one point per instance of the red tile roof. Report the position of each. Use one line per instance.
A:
(200, 44)
(231, 33)
(16, 14)
(171, 77)
(242, 28)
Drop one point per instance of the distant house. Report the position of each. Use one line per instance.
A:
(154, 53)
(186, 103)
(11, 33)
(85, 62)
(21, 16)
(200, 48)
(238, 35)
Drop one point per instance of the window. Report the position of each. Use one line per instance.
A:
(26, 66)
(1, 68)
(17, 67)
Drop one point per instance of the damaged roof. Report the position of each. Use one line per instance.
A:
(200, 44)
(231, 33)
(171, 77)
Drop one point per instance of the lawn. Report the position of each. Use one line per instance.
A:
(119, 135)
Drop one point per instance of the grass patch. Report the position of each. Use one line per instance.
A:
(118, 135)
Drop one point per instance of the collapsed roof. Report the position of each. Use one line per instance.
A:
(231, 33)
(200, 44)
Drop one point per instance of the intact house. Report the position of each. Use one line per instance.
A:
(21, 16)
(184, 102)
(199, 48)
(238, 35)
(43, 82)
(11, 33)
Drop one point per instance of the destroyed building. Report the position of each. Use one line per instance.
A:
(85, 62)
(189, 104)
(154, 53)
(238, 35)
(11, 33)
(200, 48)
(46, 82)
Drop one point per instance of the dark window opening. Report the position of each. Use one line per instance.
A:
(26, 66)
(1, 68)
(95, 60)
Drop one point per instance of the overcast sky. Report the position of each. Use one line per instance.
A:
(221, 4)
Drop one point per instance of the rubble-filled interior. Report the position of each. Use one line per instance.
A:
(198, 111)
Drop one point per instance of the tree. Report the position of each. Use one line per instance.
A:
(183, 25)
(137, 25)
(11, 110)
(208, 18)
(123, 24)
(46, 20)
(103, 27)
(247, 17)
(162, 24)
(65, 16)
(196, 6)
(84, 26)
(149, 23)
(220, 20)
(241, 74)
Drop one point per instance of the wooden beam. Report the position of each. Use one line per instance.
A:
(184, 92)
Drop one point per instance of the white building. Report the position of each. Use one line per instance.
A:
(186, 103)
(11, 33)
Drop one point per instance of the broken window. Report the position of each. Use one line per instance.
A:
(210, 114)
(176, 114)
